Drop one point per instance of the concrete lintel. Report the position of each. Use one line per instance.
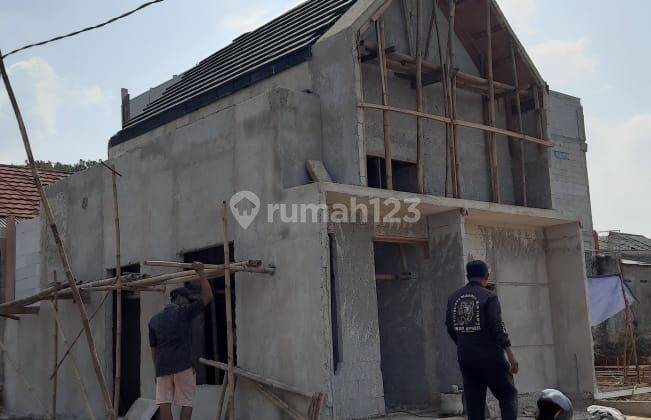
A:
(477, 211)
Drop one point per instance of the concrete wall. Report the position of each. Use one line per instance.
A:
(568, 167)
(170, 199)
(28, 262)
(570, 314)
(518, 264)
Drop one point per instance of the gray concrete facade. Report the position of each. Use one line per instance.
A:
(389, 341)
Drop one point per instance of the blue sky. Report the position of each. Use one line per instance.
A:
(70, 91)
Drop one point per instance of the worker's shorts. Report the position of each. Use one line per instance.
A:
(177, 388)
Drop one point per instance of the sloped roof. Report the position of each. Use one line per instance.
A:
(616, 241)
(276, 46)
(18, 193)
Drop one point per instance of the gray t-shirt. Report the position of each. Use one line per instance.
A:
(170, 333)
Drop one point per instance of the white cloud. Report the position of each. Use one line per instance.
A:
(619, 174)
(241, 21)
(520, 14)
(564, 64)
(46, 101)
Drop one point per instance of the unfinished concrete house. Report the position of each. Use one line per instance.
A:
(427, 106)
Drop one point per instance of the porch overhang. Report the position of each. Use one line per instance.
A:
(475, 211)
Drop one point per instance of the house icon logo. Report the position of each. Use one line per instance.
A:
(245, 205)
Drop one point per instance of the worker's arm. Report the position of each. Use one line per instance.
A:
(206, 290)
(449, 324)
(153, 342)
(498, 330)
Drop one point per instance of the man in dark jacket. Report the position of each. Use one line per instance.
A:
(474, 322)
(170, 339)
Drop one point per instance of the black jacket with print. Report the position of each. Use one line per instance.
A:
(474, 322)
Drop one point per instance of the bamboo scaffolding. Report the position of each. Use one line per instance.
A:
(446, 95)
(79, 334)
(62, 253)
(229, 314)
(386, 127)
(317, 399)
(75, 368)
(492, 145)
(455, 122)
(420, 147)
(118, 298)
(280, 403)
(452, 74)
(520, 157)
(56, 350)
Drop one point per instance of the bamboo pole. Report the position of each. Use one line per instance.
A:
(406, 24)
(388, 151)
(229, 314)
(454, 161)
(56, 351)
(75, 368)
(462, 123)
(222, 394)
(420, 147)
(62, 253)
(118, 298)
(79, 334)
(446, 94)
(280, 403)
(492, 146)
(522, 176)
(540, 131)
(257, 378)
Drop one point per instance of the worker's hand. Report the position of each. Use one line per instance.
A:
(515, 366)
(198, 267)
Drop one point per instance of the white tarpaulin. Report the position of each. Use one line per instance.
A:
(606, 299)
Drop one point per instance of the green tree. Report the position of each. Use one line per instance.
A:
(66, 167)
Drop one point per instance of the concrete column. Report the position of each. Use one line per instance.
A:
(570, 309)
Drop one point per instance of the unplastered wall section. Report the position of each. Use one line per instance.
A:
(358, 388)
(472, 151)
(568, 167)
(517, 261)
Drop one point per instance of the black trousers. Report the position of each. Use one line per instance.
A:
(494, 375)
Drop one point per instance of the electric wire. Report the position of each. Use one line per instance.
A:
(89, 28)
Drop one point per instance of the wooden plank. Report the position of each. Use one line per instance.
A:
(492, 145)
(521, 178)
(118, 297)
(388, 154)
(446, 95)
(420, 147)
(72, 283)
(257, 378)
(10, 260)
(24, 310)
(280, 404)
(407, 25)
(229, 314)
(55, 305)
(317, 171)
(468, 124)
(452, 74)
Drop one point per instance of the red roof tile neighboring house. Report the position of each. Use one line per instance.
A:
(18, 193)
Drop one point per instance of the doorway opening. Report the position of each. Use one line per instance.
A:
(402, 324)
(209, 329)
(130, 343)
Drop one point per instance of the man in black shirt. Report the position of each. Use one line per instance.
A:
(474, 322)
(170, 340)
